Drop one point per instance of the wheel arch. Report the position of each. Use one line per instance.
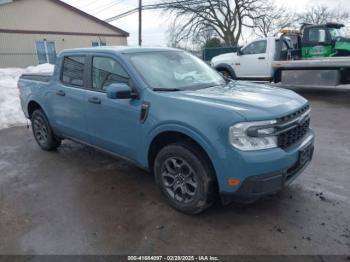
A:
(32, 106)
(224, 66)
(168, 136)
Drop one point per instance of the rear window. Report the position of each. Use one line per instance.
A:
(73, 70)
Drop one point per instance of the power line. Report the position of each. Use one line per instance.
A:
(88, 4)
(145, 7)
(106, 7)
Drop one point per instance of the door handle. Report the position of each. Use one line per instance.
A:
(262, 58)
(94, 100)
(60, 93)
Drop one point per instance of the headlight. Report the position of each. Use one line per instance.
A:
(249, 136)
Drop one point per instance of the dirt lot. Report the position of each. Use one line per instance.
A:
(80, 201)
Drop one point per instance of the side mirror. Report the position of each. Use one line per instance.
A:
(239, 51)
(120, 91)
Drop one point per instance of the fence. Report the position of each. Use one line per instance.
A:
(209, 53)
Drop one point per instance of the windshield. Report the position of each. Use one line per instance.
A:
(337, 32)
(174, 70)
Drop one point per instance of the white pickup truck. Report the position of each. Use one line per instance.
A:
(269, 59)
(252, 61)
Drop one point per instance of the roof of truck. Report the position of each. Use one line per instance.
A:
(120, 49)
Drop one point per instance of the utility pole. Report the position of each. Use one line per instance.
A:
(140, 22)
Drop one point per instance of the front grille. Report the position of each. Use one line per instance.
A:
(295, 131)
(293, 115)
(292, 136)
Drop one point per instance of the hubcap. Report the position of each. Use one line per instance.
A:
(179, 179)
(40, 130)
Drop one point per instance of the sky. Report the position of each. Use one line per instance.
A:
(155, 22)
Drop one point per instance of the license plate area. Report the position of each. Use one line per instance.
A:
(306, 154)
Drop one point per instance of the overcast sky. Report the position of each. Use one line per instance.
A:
(155, 23)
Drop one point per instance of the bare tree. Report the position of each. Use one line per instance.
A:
(225, 17)
(202, 37)
(322, 14)
(274, 19)
(197, 39)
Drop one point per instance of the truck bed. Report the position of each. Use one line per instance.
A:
(322, 72)
(333, 62)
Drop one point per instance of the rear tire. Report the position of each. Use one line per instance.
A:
(185, 177)
(42, 131)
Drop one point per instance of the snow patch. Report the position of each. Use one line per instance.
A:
(11, 113)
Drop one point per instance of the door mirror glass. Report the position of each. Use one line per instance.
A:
(120, 91)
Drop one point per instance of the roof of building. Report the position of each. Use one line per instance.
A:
(91, 17)
(116, 31)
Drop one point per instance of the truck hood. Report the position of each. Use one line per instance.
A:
(252, 101)
(223, 57)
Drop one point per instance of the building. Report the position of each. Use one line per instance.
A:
(33, 31)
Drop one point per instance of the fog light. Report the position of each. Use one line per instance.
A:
(233, 182)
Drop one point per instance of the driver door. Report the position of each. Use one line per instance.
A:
(253, 60)
(113, 124)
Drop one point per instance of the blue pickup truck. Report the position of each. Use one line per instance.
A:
(170, 113)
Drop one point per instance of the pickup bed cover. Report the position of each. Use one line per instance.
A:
(37, 77)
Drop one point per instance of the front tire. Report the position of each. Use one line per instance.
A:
(185, 177)
(42, 131)
(226, 73)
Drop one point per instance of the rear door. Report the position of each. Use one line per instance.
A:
(253, 60)
(113, 124)
(67, 100)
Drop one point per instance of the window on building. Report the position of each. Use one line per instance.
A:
(99, 43)
(106, 71)
(73, 70)
(46, 51)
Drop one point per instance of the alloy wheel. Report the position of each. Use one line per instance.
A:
(179, 179)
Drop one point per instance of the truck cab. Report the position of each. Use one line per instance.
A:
(325, 40)
(253, 61)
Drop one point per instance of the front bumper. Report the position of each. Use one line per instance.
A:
(256, 186)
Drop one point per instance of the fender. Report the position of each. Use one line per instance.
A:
(227, 67)
(31, 98)
(184, 129)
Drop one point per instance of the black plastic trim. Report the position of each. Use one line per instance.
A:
(255, 187)
(144, 111)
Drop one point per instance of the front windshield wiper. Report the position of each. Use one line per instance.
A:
(166, 89)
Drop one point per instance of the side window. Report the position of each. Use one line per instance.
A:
(314, 34)
(73, 70)
(284, 46)
(106, 71)
(317, 35)
(257, 47)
